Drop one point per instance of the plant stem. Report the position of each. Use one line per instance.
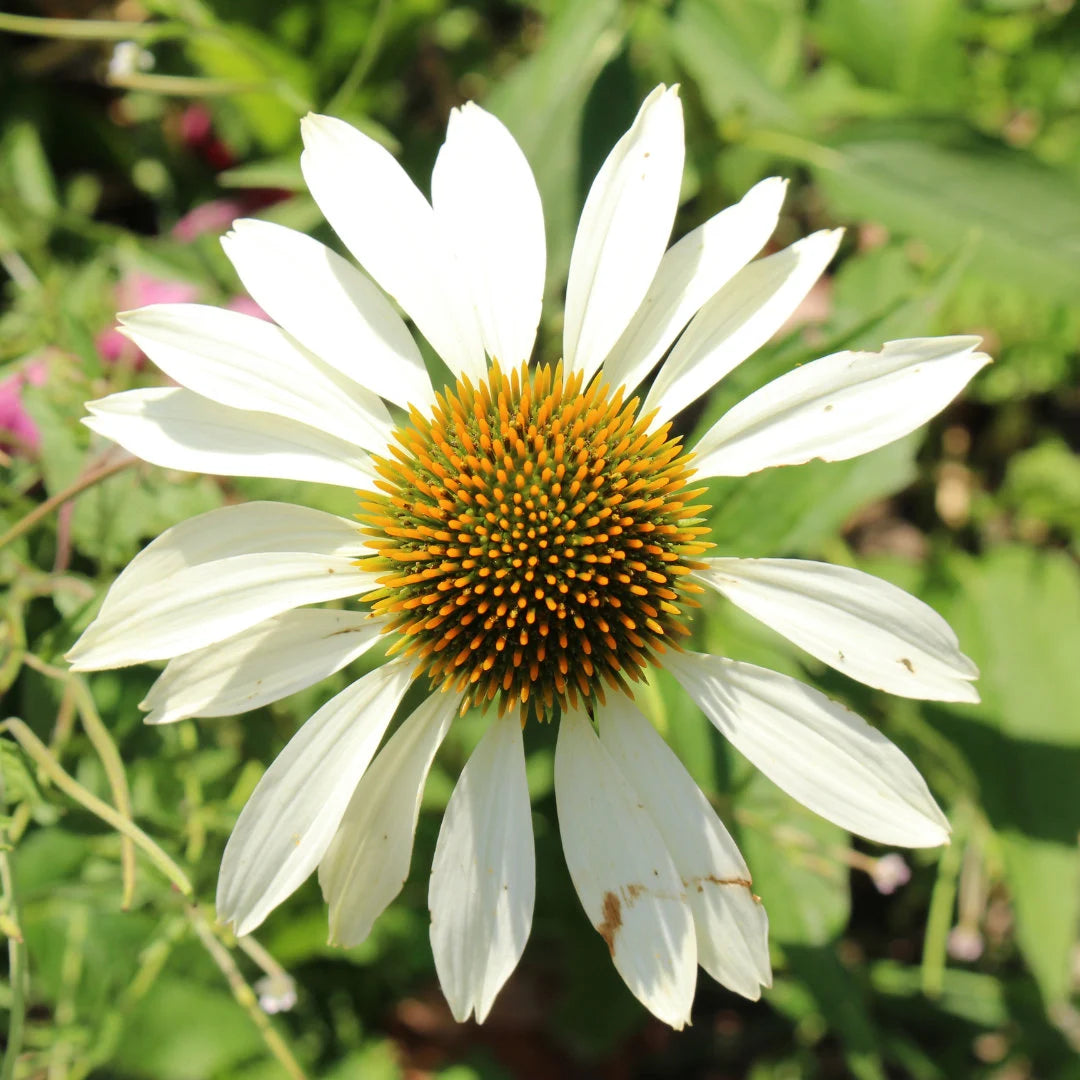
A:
(188, 85)
(39, 752)
(17, 970)
(88, 480)
(243, 993)
(114, 769)
(939, 918)
(86, 29)
(362, 64)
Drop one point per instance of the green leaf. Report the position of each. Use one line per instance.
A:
(842, 1004)
(186, 1031)
(796, 860)
(16, 782)
(913, 48)
(113, 518)
(1021, 218)
(1015, 612)
(731, 77)
(1042, 487)
(62, 452)
(244, 54)
(795, 511)
(542, 102)
(967, 995)
(28, 169)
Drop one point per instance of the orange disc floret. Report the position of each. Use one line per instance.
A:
(535, 540)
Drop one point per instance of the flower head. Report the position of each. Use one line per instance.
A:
(529, 540)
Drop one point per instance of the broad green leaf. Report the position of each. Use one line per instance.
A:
(731, 79)
(913, 48)
(967, 995)
(160, 1037)
(796, 511)
(112, 519)
(16, 782)
(245, 54)
(1016, 612)
(62, 439)
(1022, 219)
(28, 169)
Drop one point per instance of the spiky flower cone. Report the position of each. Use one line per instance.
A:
(536, 538)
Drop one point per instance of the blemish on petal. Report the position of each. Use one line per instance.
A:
(907, 663)
(612, 920)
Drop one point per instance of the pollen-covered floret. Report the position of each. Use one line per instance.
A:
(536, 538)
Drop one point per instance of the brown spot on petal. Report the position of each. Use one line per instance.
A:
(908, 664)
(612, 920)
(712, 879)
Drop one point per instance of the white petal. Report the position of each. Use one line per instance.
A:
(623, 232)
(738, 320)
(854, 622)
(485, 196)
(368, 860)
(483, 877)
(690, 272)
(623, 874)
(270, 661)
(818, 751)
(840, 406)
(248, 363)
(730, 924)
(296, 807)
(177, 429)
(330, 307)
(183, 593)
(234, 530)
(394, 234)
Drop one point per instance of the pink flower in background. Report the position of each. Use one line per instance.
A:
(890, 873)
(213, 216)
(197, 134)
(246, 306)
(137, 290)
(965, 943)
(15, 421)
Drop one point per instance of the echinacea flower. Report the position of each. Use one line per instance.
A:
(530, 540)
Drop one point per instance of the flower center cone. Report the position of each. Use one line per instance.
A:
(535, 540)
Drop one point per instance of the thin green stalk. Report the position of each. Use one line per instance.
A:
(188, 85)
(939, 918)
(65, 721)
(71, 970)
(243, 993)
(257, 952)
(362, 64)
(76, 690)
(39, 752)
(797, 147)
(106, 750)
(17, 971)
(15, 645)
(86, 29)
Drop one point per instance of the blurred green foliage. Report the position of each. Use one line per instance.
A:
(946, 135)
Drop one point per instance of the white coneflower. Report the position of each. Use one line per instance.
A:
(531, 540)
